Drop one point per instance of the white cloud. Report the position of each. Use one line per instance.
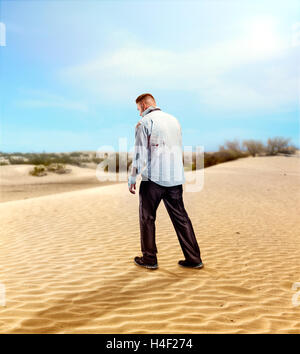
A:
(210, 72)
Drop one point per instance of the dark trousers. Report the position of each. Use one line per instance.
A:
(150, 195)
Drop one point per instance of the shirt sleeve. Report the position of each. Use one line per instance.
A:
(140, 148)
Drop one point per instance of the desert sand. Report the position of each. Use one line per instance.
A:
(66, 259)
(16, 183)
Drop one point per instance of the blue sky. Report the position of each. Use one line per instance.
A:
(71, 70)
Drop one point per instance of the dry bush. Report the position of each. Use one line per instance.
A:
(233, 146)
(58, 168)
(280, 145)
(254, 147)
(38, 171)
(42, 170)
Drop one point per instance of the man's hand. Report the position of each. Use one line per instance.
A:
(132, 184)
(131, 187)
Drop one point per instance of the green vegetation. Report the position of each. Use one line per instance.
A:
(38, 171)
(76, 159)
(41, 170)
(231, 150)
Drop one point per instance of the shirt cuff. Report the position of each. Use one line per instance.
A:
(131, 180)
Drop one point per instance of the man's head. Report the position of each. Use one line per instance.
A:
(144, 101)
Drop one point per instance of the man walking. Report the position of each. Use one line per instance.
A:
(158, 144)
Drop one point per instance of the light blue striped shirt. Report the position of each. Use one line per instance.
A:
(158, 145)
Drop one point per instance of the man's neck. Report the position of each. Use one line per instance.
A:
(147, 110)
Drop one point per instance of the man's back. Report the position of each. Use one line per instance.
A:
(164, 160)
(158, 143)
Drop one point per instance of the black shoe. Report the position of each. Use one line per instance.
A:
(188, 264)
(139, 261)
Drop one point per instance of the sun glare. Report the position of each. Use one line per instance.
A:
(263, 36)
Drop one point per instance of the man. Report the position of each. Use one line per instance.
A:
(158, 144)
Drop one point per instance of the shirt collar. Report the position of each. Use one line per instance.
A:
(149, 109)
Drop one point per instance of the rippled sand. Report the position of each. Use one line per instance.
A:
(16, 183)
(66, 259)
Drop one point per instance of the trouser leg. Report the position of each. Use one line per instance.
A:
(183, 226)
(150, 195)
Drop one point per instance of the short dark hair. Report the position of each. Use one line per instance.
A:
(145, 97)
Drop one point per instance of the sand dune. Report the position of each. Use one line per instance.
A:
(16, 183)
(66, 259)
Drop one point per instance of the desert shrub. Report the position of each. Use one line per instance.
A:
(58, 168)
(279, 145)
(41, 170)
(226, 155)
(84, 159)
(75, 154)
(39, 159)
(209, 159)
(47, 159)
(67, 159)
(38, 171)
(233, 145)
(15, 160)
(232, 150)
(254, 147)
(290, 150)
